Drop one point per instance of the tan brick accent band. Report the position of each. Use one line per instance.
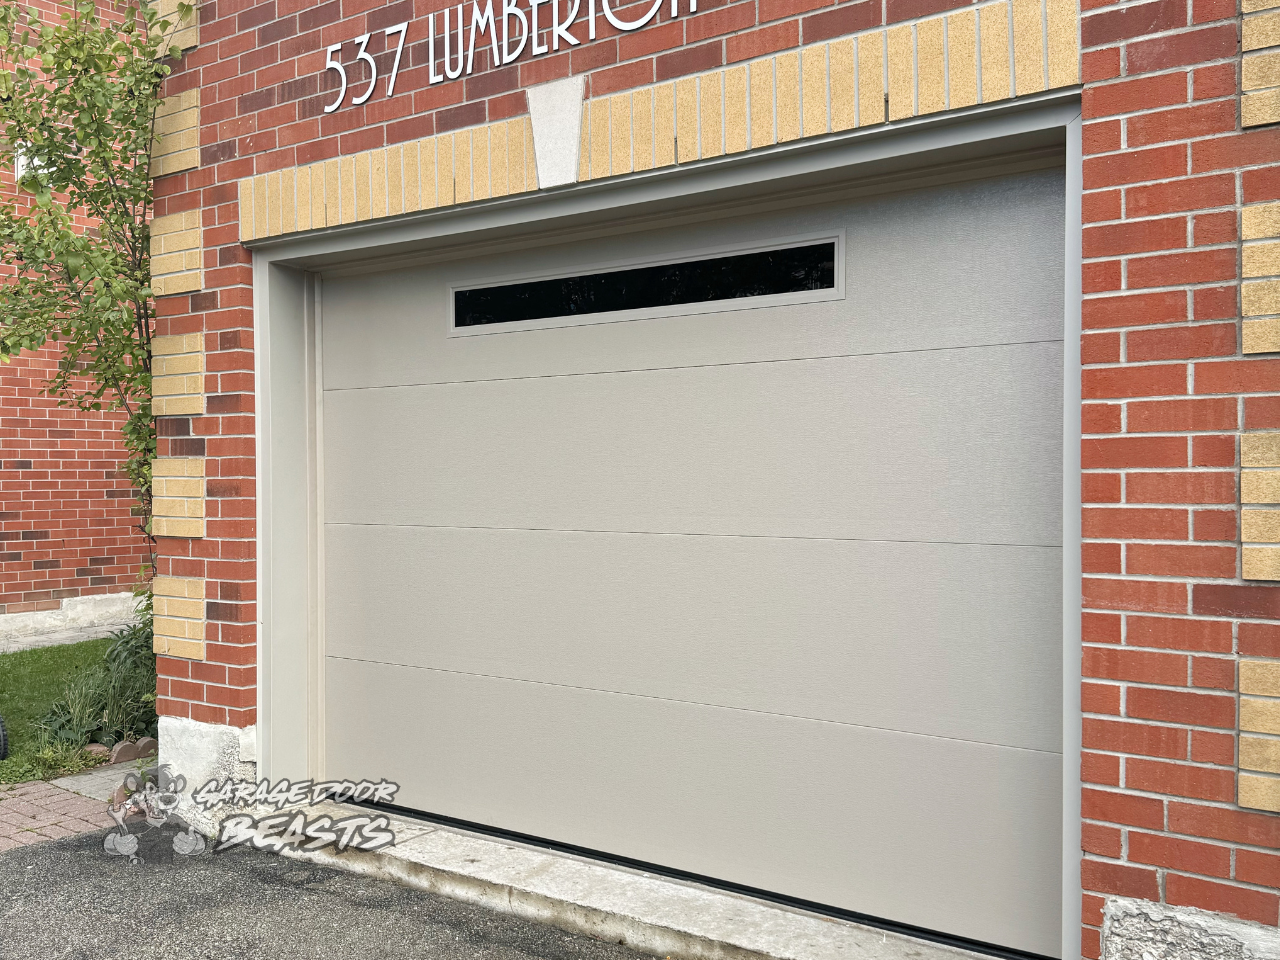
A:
(176, 257)
(1260, 65)
(1259, 764)
(1260, 505)
(178, 490)
(177, 375)
(983, 54)
(495, 160)
(177, 145)
(187, 33)
(1260, 290)
(941, 63)
(179, 617)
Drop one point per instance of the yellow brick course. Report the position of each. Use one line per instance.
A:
(177, 370)
(179, 616)
(176, 253)
(1259, 793)
(1260, 31)
(939, 63)
(1260, 677)
(1260, 450)
(1260, 753)
(1260, 563)
(478, 163)
(1259, 715)
(177, 145)
(178, 507)
(185, 33)
(1260, 526)
(1260, 108)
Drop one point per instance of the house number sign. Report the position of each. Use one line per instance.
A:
(457, 55)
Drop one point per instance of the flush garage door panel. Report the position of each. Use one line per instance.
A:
(956, 445)
(944, 834)
(754, 623)
(770, 595)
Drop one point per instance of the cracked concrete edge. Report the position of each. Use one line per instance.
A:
(1143, 930)
(637, 934)
(655, 915)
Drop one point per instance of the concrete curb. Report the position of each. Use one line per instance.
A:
(651, 914)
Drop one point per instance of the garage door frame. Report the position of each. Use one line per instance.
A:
(289, 545)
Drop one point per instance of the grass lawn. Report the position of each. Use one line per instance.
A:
(29, 683)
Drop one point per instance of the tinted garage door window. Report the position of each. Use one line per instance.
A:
(769, 593)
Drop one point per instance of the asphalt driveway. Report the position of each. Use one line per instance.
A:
(68, 899)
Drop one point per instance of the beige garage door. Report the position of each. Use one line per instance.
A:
(768, 591)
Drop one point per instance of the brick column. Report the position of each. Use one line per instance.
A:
(1167, 392)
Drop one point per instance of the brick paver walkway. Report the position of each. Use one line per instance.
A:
(32, 812)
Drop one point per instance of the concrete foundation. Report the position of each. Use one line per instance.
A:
(202, 752)
(1141, 930)
(105, 609)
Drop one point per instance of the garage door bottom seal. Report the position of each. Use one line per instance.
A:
(647, 908)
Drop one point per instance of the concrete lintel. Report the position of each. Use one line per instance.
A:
(556, 111)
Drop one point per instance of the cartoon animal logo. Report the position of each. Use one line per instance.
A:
(154, 794)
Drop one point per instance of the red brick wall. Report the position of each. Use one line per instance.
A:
(66, 527)
(1166, 393)
(1166, 389)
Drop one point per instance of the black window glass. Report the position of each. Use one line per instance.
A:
(733, 277)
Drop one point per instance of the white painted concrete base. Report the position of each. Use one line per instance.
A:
(202, 752)
(75, 613)
(662, 917)
(1142, 930)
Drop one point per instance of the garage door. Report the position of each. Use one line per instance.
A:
(765, 589)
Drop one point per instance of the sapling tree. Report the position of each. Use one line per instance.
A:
(78, 101)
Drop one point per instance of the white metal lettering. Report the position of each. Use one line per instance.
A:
(481, 20)
(506, 48)
(373, 70)
(452, 74)
(509, 10)
(533, 26)
(560, 31)
(632, 25)
(402, 29)
(332, 64)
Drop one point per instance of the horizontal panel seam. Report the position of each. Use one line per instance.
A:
(695, 366)
(696, 703)
(682, 533)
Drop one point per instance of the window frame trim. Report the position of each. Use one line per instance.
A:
(836, 292)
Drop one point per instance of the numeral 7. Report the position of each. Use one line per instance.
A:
(400, 28)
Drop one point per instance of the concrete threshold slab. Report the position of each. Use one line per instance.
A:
(100, 783)
(653, 914)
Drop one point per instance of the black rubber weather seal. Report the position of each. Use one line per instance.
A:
(822, 909)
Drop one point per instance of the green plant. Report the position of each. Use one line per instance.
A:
(78, 102)
(48, 761)
(111, 701)
(30, 681)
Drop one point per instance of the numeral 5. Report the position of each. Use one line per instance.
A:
(332, 64)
